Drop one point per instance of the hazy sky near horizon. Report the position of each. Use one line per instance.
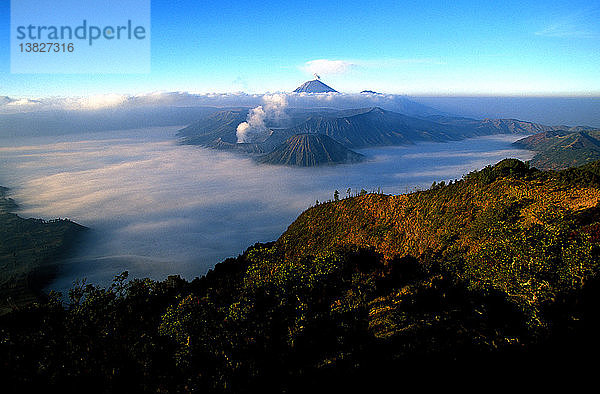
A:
(405, 47)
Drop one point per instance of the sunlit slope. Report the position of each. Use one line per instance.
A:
(513, 227)
(496, 273)
(563, 149)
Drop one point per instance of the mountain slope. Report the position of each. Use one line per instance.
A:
(353, 128)
(28, 249)
(494, 275)
(220, 125)
(373, 127)
(314, 86)
(485, 218)
(309, 150)
(563, 148)
(474, 127)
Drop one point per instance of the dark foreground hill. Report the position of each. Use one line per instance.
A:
(309, 150)
(491, 280)
(561, 149)
(28, 250)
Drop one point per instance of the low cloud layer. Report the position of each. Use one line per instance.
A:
(106, 101)
(157, 208)
(183, 99)
(99, 110)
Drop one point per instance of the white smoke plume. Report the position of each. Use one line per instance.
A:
(254, 129)
(275, 105)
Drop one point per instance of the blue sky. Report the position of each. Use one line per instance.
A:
(405, 47)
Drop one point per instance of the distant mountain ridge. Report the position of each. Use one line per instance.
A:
(352, 128)
(221, 125)
(488, 126)
(559, 149)
(373, 127)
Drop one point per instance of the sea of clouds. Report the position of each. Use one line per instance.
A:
(157, 208)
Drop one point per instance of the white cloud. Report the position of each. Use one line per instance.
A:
(580, 24)
(275, 105)
(157, 208)
(106, 101)
(328, 67)
(102, 101)
(20, 103)
(565, 30)
(398, 62)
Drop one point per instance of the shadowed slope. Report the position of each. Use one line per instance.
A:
(308, 150)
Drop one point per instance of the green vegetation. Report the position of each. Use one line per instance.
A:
(28, 249)
(564, 148)
(496, 274)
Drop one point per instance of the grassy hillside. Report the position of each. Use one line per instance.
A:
(518, 231)
(563, 149)
(28, 248)
(489, 279)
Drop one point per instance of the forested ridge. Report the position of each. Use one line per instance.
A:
(495, 275)
(29, 249)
